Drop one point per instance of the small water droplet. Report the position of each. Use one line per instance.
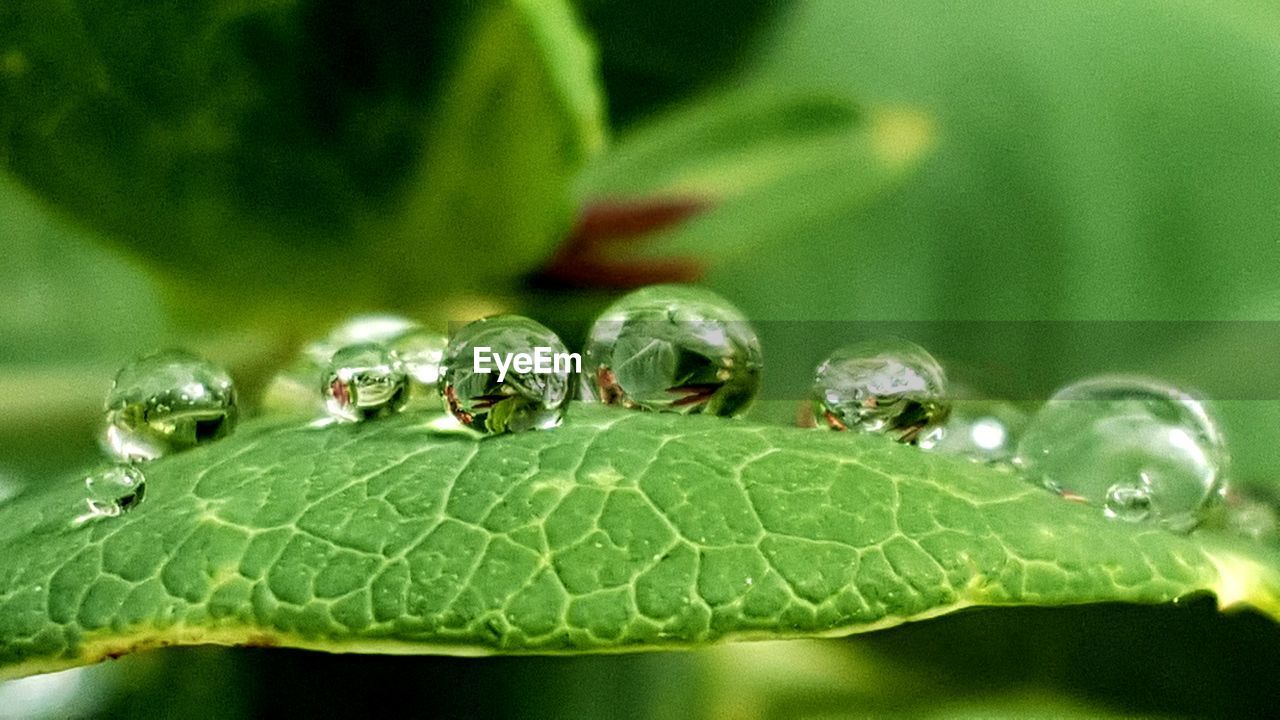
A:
(892, 386)
(1128, 502)
(673, 348)
(167, 402)
(523, 399)
(1128, 435)
(113, 491)
(363, 382)
(420, 354)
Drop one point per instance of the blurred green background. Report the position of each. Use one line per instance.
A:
(1002, 180)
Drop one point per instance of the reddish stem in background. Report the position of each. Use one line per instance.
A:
(586, 258)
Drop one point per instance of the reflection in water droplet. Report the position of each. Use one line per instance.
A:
(293, 389)
(167, 402)
(673, 348)
(1128, 502)
(113, 491)
(420, 354)
(891, 386)
(524, 399)
(363, 382)
(982, 430)
(1132, 436)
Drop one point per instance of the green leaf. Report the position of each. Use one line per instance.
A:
(363, 147)
(617, 531)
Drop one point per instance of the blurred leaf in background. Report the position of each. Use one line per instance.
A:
(658, 52)
(314, 151)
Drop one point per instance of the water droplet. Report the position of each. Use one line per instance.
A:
(891, 386)
(1123, 435)
(362, 382)
(112, 491)
(982, 430)
(522, 399)
(165, 403)
(673, 348)
(293, 389)
(1131, 503)
(420, 353)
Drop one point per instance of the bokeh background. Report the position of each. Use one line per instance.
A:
(1035, 190)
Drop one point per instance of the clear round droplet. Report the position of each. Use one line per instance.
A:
(113, 491)
(532, 392)
(363, 382)
(293, 389)
(165, 403)
(982, 430)
(673, 348)
(1130, 433)
(891, 387)
(420, 354)
(1130, 503)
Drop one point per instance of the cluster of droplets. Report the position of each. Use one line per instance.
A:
(665, 348)
(1136, 448)
(158, 405)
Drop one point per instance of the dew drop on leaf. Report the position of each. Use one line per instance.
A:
(673, 348)
(1108, 440)
(527, 396)
(1131, 503)
(420, 354)
(167, 402)
(113, 491)
(362, 382)
(890, 386)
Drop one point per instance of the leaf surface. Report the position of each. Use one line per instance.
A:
(617, 531)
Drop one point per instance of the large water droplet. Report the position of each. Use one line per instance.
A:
(890, 386)
(525, 397)
(673, 348)
(113, 491)
(982, 430)
(167, 402)
(420, 353)
(362, 382)
(1109, 439)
